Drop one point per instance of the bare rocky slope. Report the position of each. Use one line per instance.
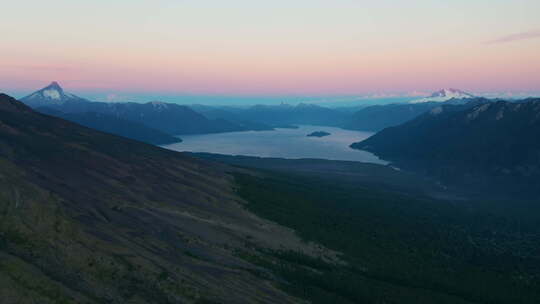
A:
(89, 217)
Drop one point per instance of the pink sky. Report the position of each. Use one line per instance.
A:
(309, 48)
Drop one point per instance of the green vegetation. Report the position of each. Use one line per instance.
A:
(398, 249)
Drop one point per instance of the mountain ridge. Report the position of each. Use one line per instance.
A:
(487, 143)
(379, 117)
(169, 118)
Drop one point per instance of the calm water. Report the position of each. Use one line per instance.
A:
(282, 143)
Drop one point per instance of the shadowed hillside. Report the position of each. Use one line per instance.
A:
(89, 217)
(492, 146)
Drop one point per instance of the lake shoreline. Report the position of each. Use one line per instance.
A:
(282, 143)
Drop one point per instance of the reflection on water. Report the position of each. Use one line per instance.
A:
(282, 143)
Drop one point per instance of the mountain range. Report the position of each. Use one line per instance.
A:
(376, 118)
(158, 118)
(278, 115)
(114, 125)
(481, 144)
(173, 119)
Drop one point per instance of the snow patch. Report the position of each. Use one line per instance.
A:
(444, 95)
(52, 94)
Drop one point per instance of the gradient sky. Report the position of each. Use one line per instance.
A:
(116, 50)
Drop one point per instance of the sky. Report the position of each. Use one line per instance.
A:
(273, 50)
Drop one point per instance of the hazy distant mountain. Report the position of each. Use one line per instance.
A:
(115, 125)
(229, 114)
(168, 118)
(52, 94)
(444, 95)
(376, 118)
(279, 115)
(479, 144)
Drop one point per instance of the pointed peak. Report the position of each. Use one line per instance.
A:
(53, 94)
(54, 85)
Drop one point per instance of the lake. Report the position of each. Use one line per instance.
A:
(281, 143)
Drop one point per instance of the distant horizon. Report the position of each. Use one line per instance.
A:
(271, 49)
(243, 100)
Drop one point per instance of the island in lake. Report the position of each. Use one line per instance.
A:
(318, 134)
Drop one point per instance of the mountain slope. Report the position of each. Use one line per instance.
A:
(114, 125)
(489, 143)
(89, 217)
(376, 118)
(169, 118)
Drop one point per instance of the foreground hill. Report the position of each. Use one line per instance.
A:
(88, 217)
(494, 143)
(400, 243)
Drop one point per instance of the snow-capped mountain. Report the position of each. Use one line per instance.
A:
(52, 94)
(444, 95)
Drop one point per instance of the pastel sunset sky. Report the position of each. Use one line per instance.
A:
(129, 49)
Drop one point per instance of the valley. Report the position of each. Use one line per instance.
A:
(270, 152)
(316, 221)
(281, 143)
